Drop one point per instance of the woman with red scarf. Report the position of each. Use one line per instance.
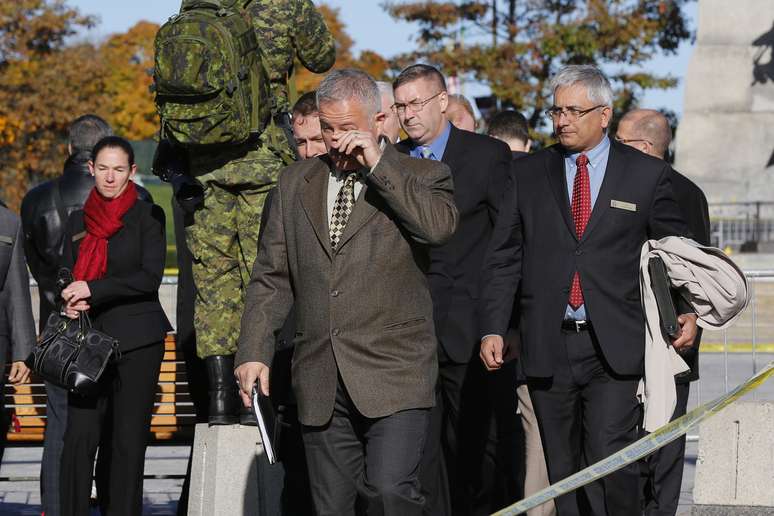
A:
(116, 247)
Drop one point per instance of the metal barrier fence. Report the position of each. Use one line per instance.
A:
(741, 224)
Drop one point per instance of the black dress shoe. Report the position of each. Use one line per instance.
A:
(223, 392)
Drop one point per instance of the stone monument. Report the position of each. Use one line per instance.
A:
(725, 139)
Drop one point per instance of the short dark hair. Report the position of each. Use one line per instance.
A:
(306, 104)
(85, 131)
(510, 125)
(419, 71)
(113, 142)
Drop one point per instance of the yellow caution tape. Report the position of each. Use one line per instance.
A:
(645, 446)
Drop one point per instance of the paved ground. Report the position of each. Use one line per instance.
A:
(19, 487)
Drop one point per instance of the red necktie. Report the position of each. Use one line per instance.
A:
(581, 211)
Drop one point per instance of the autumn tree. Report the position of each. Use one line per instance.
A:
(368, 60)
(126, 58)
(43, 85)
(516, 46)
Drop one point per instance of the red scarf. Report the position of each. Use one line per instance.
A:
(102, 217)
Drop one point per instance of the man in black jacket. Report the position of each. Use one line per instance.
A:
(479, 166)
(569, 233)
(648, 131)
(44, 213)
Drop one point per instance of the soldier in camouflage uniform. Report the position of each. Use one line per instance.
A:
(223, 238)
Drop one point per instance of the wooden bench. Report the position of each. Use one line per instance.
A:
(173, 414)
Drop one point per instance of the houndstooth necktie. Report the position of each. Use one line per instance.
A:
(342, 208)
(581, 211)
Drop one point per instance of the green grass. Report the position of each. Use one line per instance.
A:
(162, 195)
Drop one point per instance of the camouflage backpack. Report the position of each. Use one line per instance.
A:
(210, 81)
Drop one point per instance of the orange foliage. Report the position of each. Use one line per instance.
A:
(42, 90)
(368, 60)
(127, 57)
(43, 85)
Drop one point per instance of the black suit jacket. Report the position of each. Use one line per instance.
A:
(534, 247)
(125, 303)
(693, 205)
(480, 166)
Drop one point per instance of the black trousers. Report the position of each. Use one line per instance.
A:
(585, 413)
(360, 465)
(117, 420)
(662, 472)
(475, 435)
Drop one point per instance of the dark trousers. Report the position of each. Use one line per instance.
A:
(663, 470)
(117, 419)
(53, 444)
(585, 413)
(360, 465)
(476, 435)
(4, 419)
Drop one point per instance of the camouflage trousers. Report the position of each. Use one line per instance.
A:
(223, 240)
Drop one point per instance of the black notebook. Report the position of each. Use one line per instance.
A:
(268, 424)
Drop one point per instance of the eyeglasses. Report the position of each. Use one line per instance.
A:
(571, 113)
(415, 105)
(626, 141)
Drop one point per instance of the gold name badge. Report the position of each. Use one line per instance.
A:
(622, 205)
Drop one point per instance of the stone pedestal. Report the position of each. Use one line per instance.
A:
(735, 466)
(725, 139)
(230, 474)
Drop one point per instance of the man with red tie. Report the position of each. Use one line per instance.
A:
(568, 239)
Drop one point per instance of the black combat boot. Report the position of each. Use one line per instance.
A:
(224, 393)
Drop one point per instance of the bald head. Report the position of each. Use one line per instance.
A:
(460, 113)
(646, 130)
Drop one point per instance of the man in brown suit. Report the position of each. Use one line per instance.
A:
(347, 242)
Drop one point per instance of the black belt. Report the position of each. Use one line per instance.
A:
(575, 326)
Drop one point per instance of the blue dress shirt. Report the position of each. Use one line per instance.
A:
(437, 146)
(597, 164)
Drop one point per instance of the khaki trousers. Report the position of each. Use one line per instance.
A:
(536, 474)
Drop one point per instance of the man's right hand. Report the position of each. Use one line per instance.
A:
(492, 352)
(247, 374)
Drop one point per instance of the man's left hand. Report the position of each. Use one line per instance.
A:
(688, 331)
(19, 373)
(362, 145)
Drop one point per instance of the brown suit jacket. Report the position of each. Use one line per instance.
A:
(363, 311)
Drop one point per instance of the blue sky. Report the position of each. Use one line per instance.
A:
(370, 28)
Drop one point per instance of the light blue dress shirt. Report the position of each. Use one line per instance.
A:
(597, 164)
(437, 146)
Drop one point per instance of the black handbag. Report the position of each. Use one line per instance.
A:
(72, 354)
